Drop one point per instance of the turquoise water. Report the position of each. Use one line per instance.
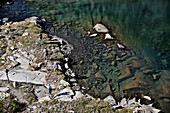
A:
(139, 23)
(143, 26)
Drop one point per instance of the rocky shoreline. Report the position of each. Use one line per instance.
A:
(30, 72)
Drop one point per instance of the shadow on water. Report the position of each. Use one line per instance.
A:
(144, 26)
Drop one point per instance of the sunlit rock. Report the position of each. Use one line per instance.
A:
(120, 46)
(110, 100)
(108, 37)
(100, 28)
(147, 98)
(93, 35)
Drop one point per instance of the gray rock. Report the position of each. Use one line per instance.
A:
(27, 76)
(65, 95)
(77, 88)
(40, 91)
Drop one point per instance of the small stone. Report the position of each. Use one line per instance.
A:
(105, 54)
(108, 37)
(73, 75)
(73, 80)
(25, 34)
(93, 35)
(116, 70)
(120, 46)
(81, 61)
(66, 65)
(113, 63)
(118, 74)
(123, 54)
(95, 65)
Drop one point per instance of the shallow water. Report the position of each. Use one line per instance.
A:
(143, 26)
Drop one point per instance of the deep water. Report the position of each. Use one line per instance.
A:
(142, 25)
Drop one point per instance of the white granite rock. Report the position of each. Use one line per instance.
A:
(93, 35)
(123, 102)
(108, 37)
(100, 28)
(120, 46)
(110, 100)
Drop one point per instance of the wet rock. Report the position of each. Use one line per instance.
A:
(123, 54)
(155, 77)
(127, 74)
(113, 63)
(95, 65)
(100, 75)
(147, 70)
(166, 100)
(100, 28)
(135, 84)
(136, 64)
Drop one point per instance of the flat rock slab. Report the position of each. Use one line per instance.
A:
(26, 76)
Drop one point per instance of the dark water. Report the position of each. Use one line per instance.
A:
(143, 26)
